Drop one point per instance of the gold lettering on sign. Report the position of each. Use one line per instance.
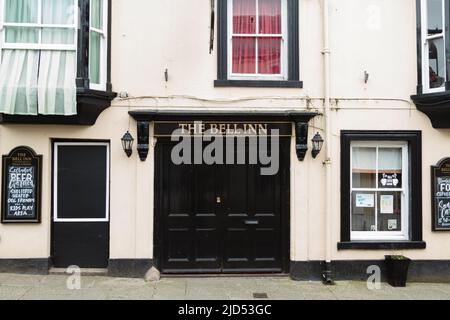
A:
(224, 128)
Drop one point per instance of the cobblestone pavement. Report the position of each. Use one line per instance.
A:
(54, 287)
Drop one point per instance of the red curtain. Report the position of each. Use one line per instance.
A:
(269, 16)
(244, 48)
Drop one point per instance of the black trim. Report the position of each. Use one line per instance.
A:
(25, 266)
(414, 139)
(258, 84)
(382, 245)
(129, 268)
(169, 115)
(419, 46)
(436, 106)
(293, 51)
(90, 104)
(427, 271)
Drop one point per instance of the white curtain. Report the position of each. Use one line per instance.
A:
(390, 159)
(33, 81)
(364, 158)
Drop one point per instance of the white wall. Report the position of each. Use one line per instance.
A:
(149, 36)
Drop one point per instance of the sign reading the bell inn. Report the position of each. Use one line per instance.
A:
(440, 175)
(21, 186)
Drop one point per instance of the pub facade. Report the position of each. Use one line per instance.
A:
(300, 137)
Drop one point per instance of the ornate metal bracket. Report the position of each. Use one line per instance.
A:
(301, 139)
(143, 128)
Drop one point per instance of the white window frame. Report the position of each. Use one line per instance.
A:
(284, 46)
(404, 234)
(103, 48)
(55, 180)
(425, 47)
(38, 46)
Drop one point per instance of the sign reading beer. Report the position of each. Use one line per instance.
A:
(21, 186)
(440, 175)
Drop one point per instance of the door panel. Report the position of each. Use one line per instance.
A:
(80, 227)
(221, 218)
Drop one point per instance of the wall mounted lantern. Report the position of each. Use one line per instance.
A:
(317, 145)
(127, 143)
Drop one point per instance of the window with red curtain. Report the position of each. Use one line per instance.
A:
(257, 37)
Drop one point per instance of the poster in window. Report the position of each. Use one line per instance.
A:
(21, 186)
(440, 175)
(390, 180)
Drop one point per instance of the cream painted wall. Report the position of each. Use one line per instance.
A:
(149, 36)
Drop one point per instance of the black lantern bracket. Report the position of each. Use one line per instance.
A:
(301, 139)
(143, 147)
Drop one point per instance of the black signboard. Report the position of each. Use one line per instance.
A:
(167, 129)
(440, 176)
(21, 192)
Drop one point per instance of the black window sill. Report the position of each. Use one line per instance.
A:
(90, 104)
(436, 106)
(258, 84)
(381, 245)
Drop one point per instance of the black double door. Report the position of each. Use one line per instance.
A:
(221, 218)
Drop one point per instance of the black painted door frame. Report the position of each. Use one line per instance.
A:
(285, 153)
(96, 229)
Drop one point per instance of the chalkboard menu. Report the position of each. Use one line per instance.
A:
(440, 176)
(21, 186)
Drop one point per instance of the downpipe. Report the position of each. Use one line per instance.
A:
(327, 275)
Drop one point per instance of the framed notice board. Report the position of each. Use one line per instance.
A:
(21, 186)
(440, 185)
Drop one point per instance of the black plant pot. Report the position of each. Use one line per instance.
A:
(397, 270)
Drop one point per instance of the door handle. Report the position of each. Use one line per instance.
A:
(252, 222)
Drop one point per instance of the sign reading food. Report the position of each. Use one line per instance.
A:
(440, 175)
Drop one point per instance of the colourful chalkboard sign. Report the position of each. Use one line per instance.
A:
(21, 186)
(440, 176)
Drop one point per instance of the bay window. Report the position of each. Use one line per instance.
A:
(258, 43)
(42, 55)
(381, 191)
(433, 46)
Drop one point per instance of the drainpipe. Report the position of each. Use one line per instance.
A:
(327, 274)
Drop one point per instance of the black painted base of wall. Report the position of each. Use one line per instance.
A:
(432, 271)
(129, 268)
(25, 266)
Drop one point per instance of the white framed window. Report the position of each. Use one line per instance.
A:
(98, 37)
(434, 65)
(38, 57)
(257, 40)
(57, 216)
(379, 187)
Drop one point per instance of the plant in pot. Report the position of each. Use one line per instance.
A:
(397, 270)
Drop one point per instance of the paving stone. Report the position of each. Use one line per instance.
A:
(231, 288)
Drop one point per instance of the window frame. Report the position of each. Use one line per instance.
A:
(283, 75)
(414, 141)
(81, 43)
(383, 235)
(425, 39)
(38, 46)
(292, 51)
(103, 48)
